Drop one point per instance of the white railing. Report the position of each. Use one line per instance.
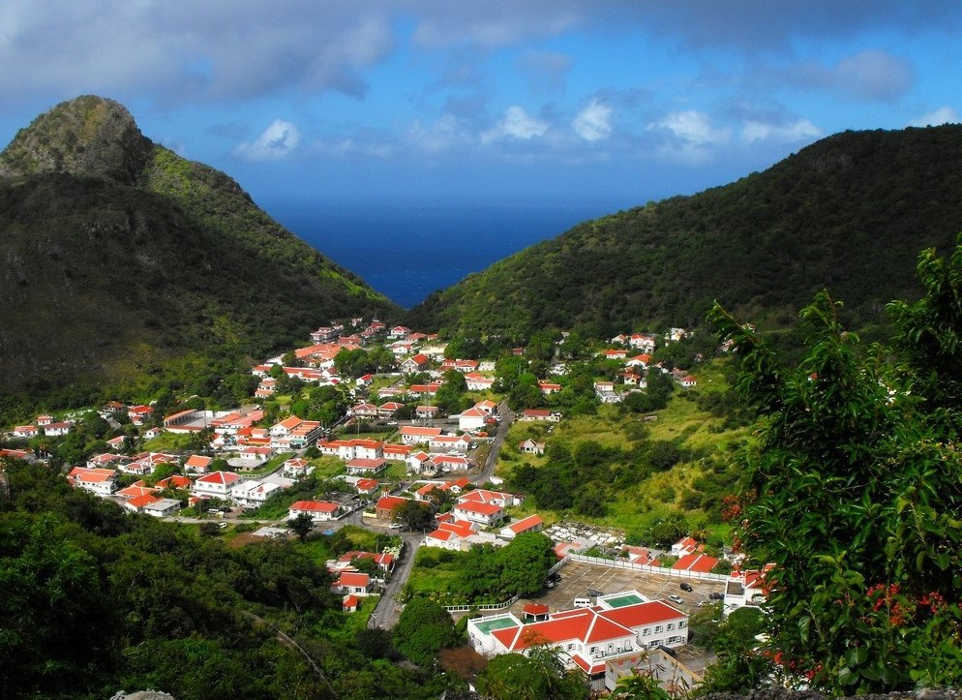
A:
(644, 568)
(483, 606)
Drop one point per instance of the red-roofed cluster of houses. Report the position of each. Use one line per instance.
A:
(614, 626)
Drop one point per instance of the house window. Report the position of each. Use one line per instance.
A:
(681, 625)
(646, 632)
(669, 626)
(658, 628)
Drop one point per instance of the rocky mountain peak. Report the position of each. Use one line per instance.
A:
(88, 136)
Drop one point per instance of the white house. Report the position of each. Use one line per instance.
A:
(101, 482)
(365, 467)
(533, 523)
(353, 583)
(53, 429)
(414, 434)
(253, 494)
(163, 507)
(619, 626)
(319, 511)
(539, 414)
(530, 447)
(296, 468)
(450, 443)
(215, 485)
(477, 512)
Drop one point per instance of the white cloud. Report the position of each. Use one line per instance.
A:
(754, 131)
(692, 127)
(517, 124)
(689, 136)
(943, 115)
(447, 132)
(593, 123)
(277, 141)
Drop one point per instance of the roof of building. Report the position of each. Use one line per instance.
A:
(526, 524)
(315, 506)
(219, 478)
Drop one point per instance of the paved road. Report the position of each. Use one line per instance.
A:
(386, 613)
(507, 418)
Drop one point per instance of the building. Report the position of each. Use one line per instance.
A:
(530, 447)
(619, 626)
(319, 511)
(533, 523)
(472, 419)
(486, 514)
(386, 505)
(539, 414)
(253, 494)
(100, 482)
(450, 443)
(215, 485)
(414, 434)
(369, 468)
(353, 583)
(162, 507)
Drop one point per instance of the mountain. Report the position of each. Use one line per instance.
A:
(122, 260)
(850, 212)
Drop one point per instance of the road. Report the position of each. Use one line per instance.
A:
(507, 418)
(386, 613)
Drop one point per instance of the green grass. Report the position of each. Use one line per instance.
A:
(325, 467)
(637, 508)
(169, 441)
(269, 466)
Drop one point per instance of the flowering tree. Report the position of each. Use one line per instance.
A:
(854, 491)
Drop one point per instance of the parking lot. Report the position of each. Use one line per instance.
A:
(577, 578)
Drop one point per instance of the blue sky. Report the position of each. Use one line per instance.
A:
(600, 104)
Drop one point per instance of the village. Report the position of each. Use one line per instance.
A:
(377, 427)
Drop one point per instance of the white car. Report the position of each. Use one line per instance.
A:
(675, 599)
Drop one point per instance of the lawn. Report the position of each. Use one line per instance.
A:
(435, 573)
(169, 441)
(325, 467)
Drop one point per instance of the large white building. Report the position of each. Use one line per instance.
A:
(619, 625)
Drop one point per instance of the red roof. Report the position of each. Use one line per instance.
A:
(366, 484)
(353, 578)
(524, 525)
(390, 502)
(92, 475)
(315, 506)
(361, 463)
(352, 601)
(198, 461)
(535, 609)
(173, 481)
(225, 478)
(143, 500)
(480, 508)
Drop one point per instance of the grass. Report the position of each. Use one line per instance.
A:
(325, 467)
(169, 441)
(638, 507)
(269, 466)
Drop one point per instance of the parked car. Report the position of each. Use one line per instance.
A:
(686, 587)
(675, 599)
(716, 596)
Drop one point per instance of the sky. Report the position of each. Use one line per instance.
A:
(585, 106)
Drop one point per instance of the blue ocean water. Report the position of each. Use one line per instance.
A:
(407, 251)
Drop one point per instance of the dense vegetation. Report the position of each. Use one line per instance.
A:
(96, 600)
(849, 212)
(128, 265)
(854, 493)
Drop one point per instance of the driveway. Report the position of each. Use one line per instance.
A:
(507, 418)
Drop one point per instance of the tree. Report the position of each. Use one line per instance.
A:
(639, 685)
(854, 491)
(301, 525)
(423, 629)
(413, 515)
(525, 563)
(538, 675)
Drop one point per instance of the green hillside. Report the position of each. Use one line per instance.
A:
(123, 260)
(849, 212)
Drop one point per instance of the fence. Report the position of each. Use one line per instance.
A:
(644, 568)
(483, 606)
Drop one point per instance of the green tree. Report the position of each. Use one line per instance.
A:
(854, 492)
(301, 525)
(525, 563)
(538, 675)
(413, 515)
(423, 629)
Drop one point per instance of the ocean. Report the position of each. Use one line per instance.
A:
(406, 252)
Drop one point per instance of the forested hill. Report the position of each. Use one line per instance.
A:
(849, 212)
(120, 258)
